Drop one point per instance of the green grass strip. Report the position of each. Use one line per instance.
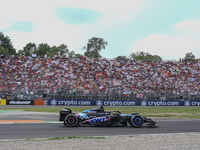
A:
(188, 112)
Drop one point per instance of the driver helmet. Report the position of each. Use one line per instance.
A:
(102, 109)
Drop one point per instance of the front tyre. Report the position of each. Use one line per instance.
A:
(136, 121)
(71, 120)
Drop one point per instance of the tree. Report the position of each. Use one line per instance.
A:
(20, 52)
(3, 50)
(145, 56)
(121, 58)
(42, 49)
(189, 56)
(78, 55)
(53, 51)
(62, 49)
(94, 47)
(28, 50)
(6, 43)
(72, 54)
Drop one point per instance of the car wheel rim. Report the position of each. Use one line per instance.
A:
(71, 120)
(138, 120)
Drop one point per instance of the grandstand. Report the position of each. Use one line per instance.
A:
(49, 78)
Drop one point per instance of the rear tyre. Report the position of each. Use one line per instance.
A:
(71, 120)
(64, 123)
(136, 121)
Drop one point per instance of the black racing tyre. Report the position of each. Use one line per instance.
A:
(64, 123)
(71, 120)
(136, 121)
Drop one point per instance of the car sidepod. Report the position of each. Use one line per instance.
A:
(98, 120)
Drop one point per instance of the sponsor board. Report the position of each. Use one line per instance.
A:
(2, 101)
(124, 102)
(170, 103)
(20, 102)
(119, 103)
(192, 103)
(69, 102)
(161, 103)
(39, 102)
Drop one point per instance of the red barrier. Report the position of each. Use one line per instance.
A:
(39, 102)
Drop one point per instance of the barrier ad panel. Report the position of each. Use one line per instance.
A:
(2, 101)
(70, 102)
(122, 103)
(39, 102)
(20, 102)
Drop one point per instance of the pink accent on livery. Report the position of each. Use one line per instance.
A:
(78, 115)
(107, 119)
(71, 120)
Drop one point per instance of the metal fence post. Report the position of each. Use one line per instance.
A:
(21, 85)
(12, 87)
(33, 86)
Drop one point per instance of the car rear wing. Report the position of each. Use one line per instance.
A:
(64, 113)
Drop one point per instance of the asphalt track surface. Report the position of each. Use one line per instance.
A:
(51, 127)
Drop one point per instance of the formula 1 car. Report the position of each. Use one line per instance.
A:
(99, 117)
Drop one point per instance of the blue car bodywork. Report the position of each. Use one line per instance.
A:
(98, 117)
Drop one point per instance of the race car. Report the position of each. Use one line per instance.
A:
(99, 117)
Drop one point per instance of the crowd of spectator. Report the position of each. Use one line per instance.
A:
(103, 76)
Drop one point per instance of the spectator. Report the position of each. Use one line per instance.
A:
(99, 76)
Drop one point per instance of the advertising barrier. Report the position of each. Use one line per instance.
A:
(54, 102)
(39, 102)
(2, 101)
(19, 102)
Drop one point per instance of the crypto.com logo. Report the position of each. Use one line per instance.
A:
(143, 103)
(99, 103)
(53, 102)
(187, 103)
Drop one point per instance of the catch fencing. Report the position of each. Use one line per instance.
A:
(39, 85)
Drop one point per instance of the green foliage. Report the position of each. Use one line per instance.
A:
(73, 137)
(49, 54)
(78, 55)
(3, 50)
(69, 137)
(42, 49)
(72, 54)
(91, 137)
(187, 112)
(56, 138)
(62, 49)
(58, 50)
(145, 56)
(94, 47)
(121, 58)
(189, 56)
(28, 139)
(6, 43)
(53, 51)
(28, 50)
(85, 137)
